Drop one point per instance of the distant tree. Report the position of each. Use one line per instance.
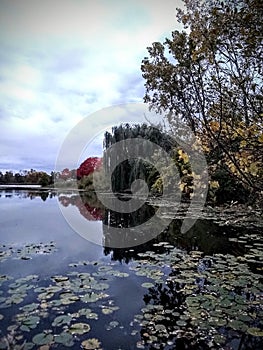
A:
(44, 179)
(65, 174)
(1, 177)
(19, 179)
(9, 177)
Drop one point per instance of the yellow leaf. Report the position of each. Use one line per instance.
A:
(214, 184)
(253, 169)
(260, 139)
(243, 143)
(182, 186)
(214, 125)
(183, 156)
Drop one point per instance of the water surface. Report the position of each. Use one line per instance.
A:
(48, 270)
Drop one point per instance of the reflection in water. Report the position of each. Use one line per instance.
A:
(190, 295)
(204, 236)
(87, 203)
(32, 194)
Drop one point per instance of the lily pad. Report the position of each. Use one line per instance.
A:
(91, 297)
(107, 310)
(61, 320)
(147, 285)
(256, 332)
(64, 338)
(91, 344)
(42, 339)
(79, 328)
(30, 322)
(60, 278)
(29, 307)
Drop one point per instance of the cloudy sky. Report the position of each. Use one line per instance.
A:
(64, 60)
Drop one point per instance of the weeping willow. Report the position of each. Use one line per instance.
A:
(131, 169)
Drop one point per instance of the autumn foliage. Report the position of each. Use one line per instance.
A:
(89, 166)
(209, 75)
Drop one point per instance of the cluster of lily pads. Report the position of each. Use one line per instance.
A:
(64, 302)
(26, 252)
(204, 302)
(254, 249)
(192, 300)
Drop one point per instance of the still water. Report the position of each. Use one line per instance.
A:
(199, 290)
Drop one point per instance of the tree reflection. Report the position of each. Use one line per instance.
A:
(205, 235)
(87, 203)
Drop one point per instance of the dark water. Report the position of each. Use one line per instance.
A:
(37, 241)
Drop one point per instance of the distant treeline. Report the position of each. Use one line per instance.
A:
(31, 177)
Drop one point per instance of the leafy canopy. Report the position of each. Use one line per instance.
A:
(210, 75)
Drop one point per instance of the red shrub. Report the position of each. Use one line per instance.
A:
(88, 166)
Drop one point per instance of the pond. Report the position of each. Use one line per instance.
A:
(198, 290)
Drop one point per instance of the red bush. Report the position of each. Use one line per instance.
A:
(88, 166)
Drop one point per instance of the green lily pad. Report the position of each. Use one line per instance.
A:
(219, 339)
(256, 332)
(60, 278)
(100, 286)
(238, 325)
(147, 285)
(107, 311)
(91, 297)
(29, 307)
(91, 344)
(42, 339)
(104, 268)
(111, 325)
(61, 320)
(79, 328)
(30, 322)
(117, 273)
(64, 338)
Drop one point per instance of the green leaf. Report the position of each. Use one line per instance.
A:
(79, 328)
(42, 339)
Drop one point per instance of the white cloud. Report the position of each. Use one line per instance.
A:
(61, 61)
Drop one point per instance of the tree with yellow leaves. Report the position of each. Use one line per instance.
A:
(210, 75)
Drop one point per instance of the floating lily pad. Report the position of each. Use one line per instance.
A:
(256, 332)
(147, 285)
(29, 346)
(91, 344)
(42, 339)
(109, 309)
(104, 268)
(88, 313)
(117, 273)
(61, 320)
(64, 338)
(100, 286)
(92, 297)
(29, 307)
(79, 328)
(60, 278)
(30, 322)
(111, 325)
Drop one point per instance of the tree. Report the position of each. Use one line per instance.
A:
(210, 75)
(44, 179)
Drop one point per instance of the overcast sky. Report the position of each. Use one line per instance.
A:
(61, 61)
